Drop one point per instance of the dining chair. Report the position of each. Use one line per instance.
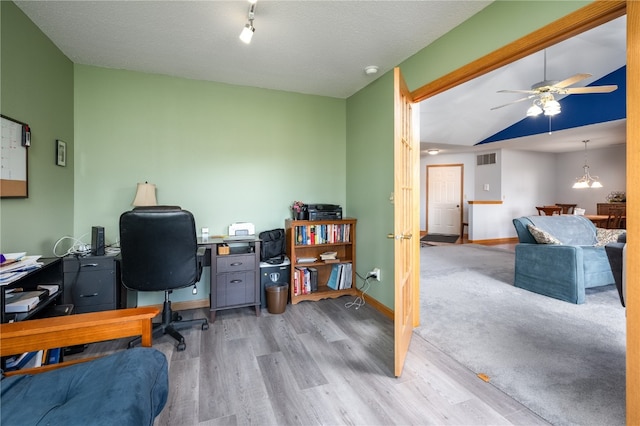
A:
(549, 210)
(567, 208)
(614, 220)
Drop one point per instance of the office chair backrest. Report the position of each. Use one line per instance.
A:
(158, 247)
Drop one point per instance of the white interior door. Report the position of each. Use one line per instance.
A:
(444, 199)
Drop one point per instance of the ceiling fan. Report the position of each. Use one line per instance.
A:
(544, 90)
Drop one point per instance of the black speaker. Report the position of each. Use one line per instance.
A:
(97, 240)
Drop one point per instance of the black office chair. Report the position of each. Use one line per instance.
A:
(159, 252)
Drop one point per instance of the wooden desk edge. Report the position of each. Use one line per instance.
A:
(57, 332)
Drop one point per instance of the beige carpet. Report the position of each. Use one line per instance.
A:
(565, 362)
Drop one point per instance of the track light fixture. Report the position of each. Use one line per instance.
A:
(247, 32)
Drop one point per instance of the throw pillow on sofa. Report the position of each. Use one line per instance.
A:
(606, 236)
(541, 236)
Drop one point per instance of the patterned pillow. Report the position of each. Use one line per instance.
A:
(606, 236)
(541, 236)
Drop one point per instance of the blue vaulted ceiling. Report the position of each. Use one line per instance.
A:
(577, 110)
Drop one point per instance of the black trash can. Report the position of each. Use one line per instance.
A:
(277, 296)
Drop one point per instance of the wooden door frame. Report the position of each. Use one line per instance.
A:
(586, 18)
(426, 195)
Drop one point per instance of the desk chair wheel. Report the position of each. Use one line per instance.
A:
(181, 346)
(176, 317)
(205, 326)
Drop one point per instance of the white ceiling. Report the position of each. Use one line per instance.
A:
(322, 48)
(457, 119)
(311, 47)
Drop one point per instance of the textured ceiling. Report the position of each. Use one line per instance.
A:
(312, 47)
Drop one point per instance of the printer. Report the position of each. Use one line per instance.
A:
(324, 211)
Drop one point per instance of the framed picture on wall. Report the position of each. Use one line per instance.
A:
(61, 153)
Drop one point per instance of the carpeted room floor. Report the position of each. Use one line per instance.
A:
(565, 362)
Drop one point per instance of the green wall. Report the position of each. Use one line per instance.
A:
(226, 153)
(370, 119)
(36, 87)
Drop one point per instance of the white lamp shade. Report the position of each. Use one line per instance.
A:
(534, 110)
(145, 195)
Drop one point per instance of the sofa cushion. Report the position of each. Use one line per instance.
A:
(541, 236)
(606, 236)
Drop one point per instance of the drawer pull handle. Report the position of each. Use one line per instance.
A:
(236, 281)
(89, 265)
(236, 264)
(89, 295)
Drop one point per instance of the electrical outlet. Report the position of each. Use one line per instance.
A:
(375, 273)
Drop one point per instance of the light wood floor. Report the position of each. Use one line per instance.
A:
(319, 363)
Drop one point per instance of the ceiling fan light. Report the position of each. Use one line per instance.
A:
(551, 107)
(433, 151)
(596, 184)
(534, 110)
(580, 184)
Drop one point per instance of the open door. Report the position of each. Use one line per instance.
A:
(406, 212)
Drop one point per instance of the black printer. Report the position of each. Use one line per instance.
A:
(324, 211)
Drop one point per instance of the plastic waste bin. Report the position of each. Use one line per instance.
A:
(272, 274)
(277, 296)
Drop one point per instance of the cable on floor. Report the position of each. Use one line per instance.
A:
(359, 301)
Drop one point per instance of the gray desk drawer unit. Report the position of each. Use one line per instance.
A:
(90, 283)
(235, 280)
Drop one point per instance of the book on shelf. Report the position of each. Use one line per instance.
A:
(313, 279)
(333, 277)
(329, 255)
(341, 276)
(322, 234)
(23, 301)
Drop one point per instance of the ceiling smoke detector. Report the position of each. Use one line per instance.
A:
(371, 70)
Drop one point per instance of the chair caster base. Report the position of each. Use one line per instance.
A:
(205, 326)
(182, 346)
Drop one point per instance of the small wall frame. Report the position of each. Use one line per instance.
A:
(61, 153)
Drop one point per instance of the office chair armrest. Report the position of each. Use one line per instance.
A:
(200, 255)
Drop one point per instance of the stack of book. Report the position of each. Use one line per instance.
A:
(329, 257)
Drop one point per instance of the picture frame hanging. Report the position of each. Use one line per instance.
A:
(61, 153)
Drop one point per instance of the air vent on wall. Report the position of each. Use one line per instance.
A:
(484, 159)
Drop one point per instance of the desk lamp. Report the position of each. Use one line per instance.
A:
(145, 195)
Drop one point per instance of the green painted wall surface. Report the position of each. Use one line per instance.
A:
(36, 83)
(226, 153)
(371, 152)
(370, 180)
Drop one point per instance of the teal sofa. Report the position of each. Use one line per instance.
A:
(565, 269)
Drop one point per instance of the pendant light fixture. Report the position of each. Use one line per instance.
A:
(587, 181)
(247, 32)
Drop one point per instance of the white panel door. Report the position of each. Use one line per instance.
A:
(444, 194)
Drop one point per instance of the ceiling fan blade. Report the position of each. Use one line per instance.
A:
(513, 102)
(591, 89)
(533, 92)
(571, 80)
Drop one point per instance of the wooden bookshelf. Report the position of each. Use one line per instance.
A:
(307, 239)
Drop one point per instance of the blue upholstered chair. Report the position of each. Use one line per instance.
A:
(563, 270)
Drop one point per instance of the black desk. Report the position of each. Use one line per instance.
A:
(49, 273)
